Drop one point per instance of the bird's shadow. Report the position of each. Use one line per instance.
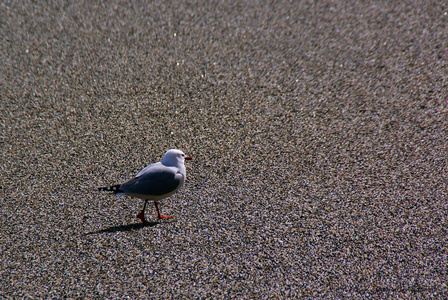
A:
(128, 227)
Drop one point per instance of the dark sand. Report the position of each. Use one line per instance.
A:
(319, 132)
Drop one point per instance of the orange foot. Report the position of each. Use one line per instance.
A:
(141, 216)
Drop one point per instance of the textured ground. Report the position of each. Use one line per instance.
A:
(319, 132)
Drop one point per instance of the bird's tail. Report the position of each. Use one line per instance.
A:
(114, 188)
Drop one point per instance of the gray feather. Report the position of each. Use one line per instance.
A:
(155, 181)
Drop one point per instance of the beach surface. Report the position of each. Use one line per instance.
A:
(318, 131)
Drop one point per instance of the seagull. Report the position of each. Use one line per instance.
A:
(155, 182)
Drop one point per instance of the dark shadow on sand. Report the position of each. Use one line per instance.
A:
(135, 226)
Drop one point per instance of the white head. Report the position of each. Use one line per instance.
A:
(174, 157)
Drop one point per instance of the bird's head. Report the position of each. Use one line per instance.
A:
(174, 157)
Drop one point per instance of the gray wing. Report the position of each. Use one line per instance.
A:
(145, 169)
(155, 181)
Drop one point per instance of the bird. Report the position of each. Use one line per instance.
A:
(155, 182)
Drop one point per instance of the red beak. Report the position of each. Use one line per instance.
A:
(188, 158)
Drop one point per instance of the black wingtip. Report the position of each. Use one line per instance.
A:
(114, 188)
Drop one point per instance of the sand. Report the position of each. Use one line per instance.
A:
(318, 132)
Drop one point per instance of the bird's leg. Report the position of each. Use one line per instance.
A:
(158, 212)
(141, 214)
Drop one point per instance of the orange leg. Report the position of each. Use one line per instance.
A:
(158, 212)
(141, 214)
